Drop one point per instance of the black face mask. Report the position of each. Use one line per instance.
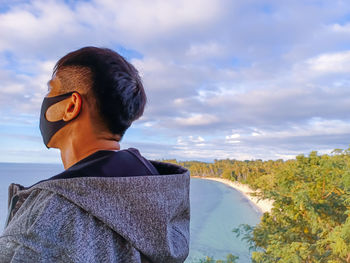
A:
(48, 128)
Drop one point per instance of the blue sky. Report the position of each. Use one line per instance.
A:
(225, 79)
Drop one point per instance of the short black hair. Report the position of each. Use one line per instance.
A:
(116, 85)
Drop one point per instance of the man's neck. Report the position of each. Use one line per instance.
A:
(71, 155)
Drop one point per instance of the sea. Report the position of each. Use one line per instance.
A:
(216, 209)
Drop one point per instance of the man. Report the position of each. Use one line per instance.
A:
(109, 205)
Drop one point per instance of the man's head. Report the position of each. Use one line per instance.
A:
(109, 91)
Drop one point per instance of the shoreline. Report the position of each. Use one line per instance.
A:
(263, 205)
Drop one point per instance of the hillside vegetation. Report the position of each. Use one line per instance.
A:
(310, 220)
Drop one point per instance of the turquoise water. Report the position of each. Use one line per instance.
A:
(215, 210)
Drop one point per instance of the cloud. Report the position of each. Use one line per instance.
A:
(341, 28)
(22, 92)
(269, 72)
(161, 17)
(203, 50)
(233, 138)
(331, 63)
(197, 120)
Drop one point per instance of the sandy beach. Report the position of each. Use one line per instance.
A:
(263, 205)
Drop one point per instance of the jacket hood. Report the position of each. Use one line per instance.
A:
(152, 212)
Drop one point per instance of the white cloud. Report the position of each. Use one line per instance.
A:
(197, 139)
(232, 139)
(190, 143)
(13, 89)
(211, 49)
(279, 79)
(315, 127)
(197, 120)
(341, 28)
(24, 92)
(148, 124)
(37, 27)
(233, 136)
(189, 140)
(161, 16)
(338, 62)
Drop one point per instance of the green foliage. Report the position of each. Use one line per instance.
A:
(310, 221)
(257, 173)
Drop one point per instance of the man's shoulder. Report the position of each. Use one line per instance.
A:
(38, 206)
(35, 225)
(50, 225)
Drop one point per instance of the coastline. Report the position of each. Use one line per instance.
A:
(263, 205)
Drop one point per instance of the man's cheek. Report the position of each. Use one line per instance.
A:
(55, 112)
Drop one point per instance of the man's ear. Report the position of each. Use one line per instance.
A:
(73, 107)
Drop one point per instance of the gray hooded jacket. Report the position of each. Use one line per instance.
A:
(100, 219)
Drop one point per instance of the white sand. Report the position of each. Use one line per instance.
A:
(264, 205)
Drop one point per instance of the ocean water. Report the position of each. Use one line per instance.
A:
(215, 210)
(25, 174)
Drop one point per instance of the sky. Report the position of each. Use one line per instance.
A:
(238, 79)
